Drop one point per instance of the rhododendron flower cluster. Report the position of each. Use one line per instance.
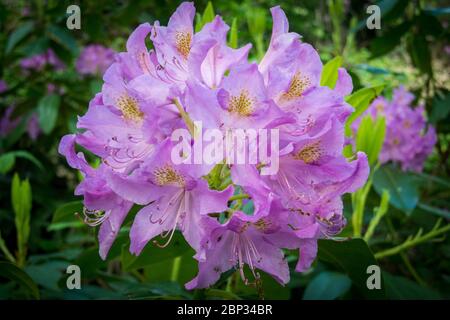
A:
(246, 219)
(94, 59)
(39, 61)
(408, 140)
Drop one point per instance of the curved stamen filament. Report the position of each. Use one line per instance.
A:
(94, 217)
(243, 247)
(181, 211)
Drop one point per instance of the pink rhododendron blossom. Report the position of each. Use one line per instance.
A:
(409, 140)
(40, 61)
(231, 214)
(94, 59)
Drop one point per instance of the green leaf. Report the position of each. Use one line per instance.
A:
(370, 137)
(28, 156)
(330, 72)
(17, 35)
(327, 286)
(66, 212)
(389, 40)
(360, 100)
(65, 216)
(48, 274)
(64, 38)
(152, 254)
(437, 211)
(95, 86)
(48, 109)
(208, 14)
(12, 272)
(402, 187)
(437, 11)
(7, 161)
(233, 40)
(90, 263)
(21, 202)
(400, 288)
(441, 106)
(198, 22)
(221, 294)
(420, 53)
(352, 257)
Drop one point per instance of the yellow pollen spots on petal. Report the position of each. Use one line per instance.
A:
(407, 124)
(130, 108)
(297, 86)
(244, 227)
(167, 175)
(310, 153)
(379, 107)
(395, 142)
(262, 224)
(183, 43)
(241, 104)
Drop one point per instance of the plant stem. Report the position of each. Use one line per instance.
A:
(380, 212)
(411, 242)
(359, 202)
(5, 250)
(175, 269)
(185, 116)
(411, 269)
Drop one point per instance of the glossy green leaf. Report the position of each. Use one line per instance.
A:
(64, 38)
(21, 202)
(360, 100)
(402, 187)
(330, 72)
(327, 286)
(420, 53)
(48, 274)
(18, 35)
(208, 14)
(352, 257)
(48, 109)
(401, 288)
(28, 156)
(441, 106)
(436, 211)
(233, 40)
(370, 137)
(7, 161)
(67, 212)
(14, 273)
(153, 254)
(389, 40)
(198, 22)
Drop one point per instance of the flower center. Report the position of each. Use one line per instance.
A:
(241, 104)
(329, 227)
(183, 43)
(168, 175)
(262, 224)
(130, 108)
(310, 153)
(297, 86)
